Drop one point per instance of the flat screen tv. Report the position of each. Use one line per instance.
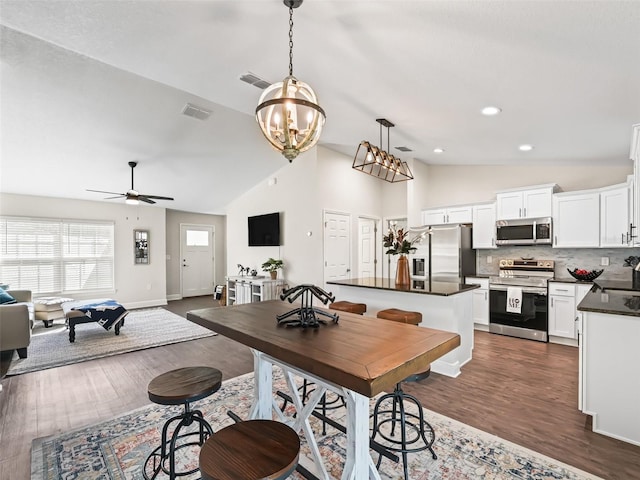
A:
(264, 230)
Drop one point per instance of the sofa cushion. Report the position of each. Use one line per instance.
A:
(5, 298)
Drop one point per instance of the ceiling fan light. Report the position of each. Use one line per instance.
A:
(132, 201)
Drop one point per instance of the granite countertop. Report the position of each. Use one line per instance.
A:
(615, 297)
(430, 288)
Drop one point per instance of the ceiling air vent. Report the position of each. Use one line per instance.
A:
(191, 110)
(404, 149)
(254, 80)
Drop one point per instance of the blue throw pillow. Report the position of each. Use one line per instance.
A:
(5, 297)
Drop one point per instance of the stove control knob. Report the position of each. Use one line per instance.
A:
(503, 263)
(510, 263)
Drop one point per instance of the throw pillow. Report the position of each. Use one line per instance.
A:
(5, 298)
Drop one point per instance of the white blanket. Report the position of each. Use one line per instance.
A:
(514, 300)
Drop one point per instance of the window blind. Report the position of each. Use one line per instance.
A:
(53, 256)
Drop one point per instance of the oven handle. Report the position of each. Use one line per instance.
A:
(503, 288)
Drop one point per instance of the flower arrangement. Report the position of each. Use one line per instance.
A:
(397, 241)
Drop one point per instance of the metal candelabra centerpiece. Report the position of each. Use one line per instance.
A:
(306, 315)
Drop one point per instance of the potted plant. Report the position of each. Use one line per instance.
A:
(272, 266)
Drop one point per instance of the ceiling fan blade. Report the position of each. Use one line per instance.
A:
(157, 197)
(110, 193)
(117, 196)
(144, 198)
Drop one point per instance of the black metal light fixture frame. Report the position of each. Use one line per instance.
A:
(377, 162)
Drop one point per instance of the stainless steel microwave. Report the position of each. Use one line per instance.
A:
(526, 231)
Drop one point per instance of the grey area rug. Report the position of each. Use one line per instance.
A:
(117, 449)
(146, 328)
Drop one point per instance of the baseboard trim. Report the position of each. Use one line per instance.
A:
(160, 302)
(175, 296)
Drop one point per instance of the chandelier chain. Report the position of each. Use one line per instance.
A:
(291, 41)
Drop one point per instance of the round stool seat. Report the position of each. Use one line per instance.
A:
(351, 307)
(184, 385)
(251, 450)
(402, 316)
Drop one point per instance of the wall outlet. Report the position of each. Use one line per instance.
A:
(489, 259)
(604, 261)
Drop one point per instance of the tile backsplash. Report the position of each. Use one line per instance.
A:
(587, 258)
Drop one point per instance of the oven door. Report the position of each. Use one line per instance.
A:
(530, 323)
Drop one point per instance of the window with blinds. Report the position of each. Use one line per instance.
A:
(52, 256)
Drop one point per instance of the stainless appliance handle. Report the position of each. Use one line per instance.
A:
(503, 288)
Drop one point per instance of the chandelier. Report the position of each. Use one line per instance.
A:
(379, 163)
(288, 112)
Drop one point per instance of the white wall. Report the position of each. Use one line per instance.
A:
(317, 181)
(460, 184)
(174, 219)
(136, 285)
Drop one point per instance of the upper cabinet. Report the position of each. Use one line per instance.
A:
(616, 216)
(634, 154)
(484, 225)
(576, 219)
(525, 203)
(441, 216)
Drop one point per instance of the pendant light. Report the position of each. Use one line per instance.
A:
(379, 163)
(288, 112)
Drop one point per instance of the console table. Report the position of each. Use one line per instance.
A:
(247, 289)
(358, 357)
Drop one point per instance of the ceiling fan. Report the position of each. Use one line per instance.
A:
(132, 196)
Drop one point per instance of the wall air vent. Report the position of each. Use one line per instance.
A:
(404, 149)
(191, 110)
(254, 80)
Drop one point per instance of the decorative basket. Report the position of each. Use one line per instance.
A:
(585, 277)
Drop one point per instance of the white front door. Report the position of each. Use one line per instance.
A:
(367, 245)
(197, 262)
(337, 241)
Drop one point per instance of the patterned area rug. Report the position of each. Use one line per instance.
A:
(117, 449)
(146, 328)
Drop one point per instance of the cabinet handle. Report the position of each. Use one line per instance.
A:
(551, 301)
(493, 242)
(561, 290)
(520, 213)
(622, 241)
(525, 212)
(631, 235)
(555, 240)
(485, 295)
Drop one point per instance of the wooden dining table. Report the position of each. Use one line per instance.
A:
(358, 357)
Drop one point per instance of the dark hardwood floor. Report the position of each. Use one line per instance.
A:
(520, 390)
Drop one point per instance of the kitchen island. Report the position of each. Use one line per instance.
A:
(444, 305)
(609, 330)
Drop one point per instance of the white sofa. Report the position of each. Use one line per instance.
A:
(16, 322)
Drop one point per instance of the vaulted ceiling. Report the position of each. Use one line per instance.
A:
(87, 86)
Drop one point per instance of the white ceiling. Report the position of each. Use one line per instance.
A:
(87, 86)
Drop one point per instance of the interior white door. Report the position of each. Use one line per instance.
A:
(197, 261)
(337, 241)
(367, 245)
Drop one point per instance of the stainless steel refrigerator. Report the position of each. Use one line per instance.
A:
(451, 257)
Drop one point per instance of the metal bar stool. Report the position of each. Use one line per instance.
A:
(251, 450)
(180, 387)
(416, 434)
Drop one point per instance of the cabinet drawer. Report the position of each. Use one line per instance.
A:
(483, 282)
(562, 289)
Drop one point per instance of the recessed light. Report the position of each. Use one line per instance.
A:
(489, 111)
(438, 150)
(525, 148)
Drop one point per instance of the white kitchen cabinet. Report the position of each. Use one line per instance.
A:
(564, 299)
(448, 215)
(616, 215)
(634, 155)
(562, 310)
(576, 219)
(484, 226)
(532, 202)
(242, 290)
(480, 301)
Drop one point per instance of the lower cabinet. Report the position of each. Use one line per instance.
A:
(480, 300)
(242, 290)
(563, 300)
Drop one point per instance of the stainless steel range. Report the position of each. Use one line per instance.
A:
(518, 298)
